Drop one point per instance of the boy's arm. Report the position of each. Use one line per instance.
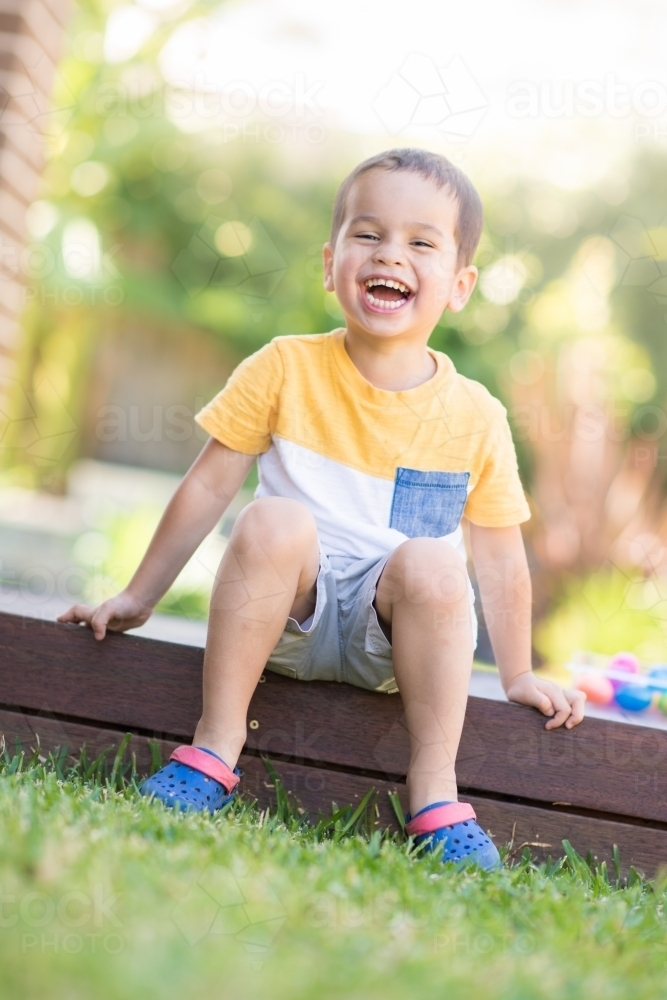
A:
(206, 491)
(504, 583)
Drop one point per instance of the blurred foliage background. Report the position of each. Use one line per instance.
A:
(167, 245)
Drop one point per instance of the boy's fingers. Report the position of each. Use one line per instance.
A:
(577, 700)
(99, 622)
(79, 613)
(543, 702)
(563, 709)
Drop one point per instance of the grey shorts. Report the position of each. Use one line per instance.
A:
(343, 641)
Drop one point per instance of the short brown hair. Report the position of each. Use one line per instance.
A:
(436, 168)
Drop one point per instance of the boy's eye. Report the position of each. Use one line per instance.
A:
(374, 236)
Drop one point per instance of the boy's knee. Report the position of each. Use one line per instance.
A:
(430, 569)
(275, 522)
(428, 553)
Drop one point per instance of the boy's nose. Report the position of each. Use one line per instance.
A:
(389, 253)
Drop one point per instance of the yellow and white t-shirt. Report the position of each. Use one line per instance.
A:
(373, 466)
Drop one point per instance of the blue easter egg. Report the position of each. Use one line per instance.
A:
(659, 674)
(634, 698)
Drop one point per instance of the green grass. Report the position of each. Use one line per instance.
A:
(105, 895)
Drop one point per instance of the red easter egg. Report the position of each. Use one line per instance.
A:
(598, 689)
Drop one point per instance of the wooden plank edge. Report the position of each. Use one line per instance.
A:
(610, 767)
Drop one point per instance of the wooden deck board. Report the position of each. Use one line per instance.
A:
(599, 784)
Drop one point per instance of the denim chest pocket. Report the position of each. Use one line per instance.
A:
(428, 504)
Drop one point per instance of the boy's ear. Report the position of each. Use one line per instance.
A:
(327, 260)
(462, 288)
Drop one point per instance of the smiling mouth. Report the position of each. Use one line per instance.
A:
(386, 294)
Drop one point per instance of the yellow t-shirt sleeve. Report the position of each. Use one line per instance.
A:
(497, 500)
(243, 414)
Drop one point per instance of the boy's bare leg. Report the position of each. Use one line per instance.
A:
(267, 574)
(423, 593)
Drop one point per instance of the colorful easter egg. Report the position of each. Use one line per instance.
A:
(597, 688)
(634, 697)
(659, 674)
(661, 703)
(625, 662)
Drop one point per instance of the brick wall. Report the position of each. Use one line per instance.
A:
(31, 37)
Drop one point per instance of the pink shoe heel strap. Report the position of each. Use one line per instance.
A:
(445, 815)
(211, 766)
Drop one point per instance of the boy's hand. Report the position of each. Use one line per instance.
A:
(117, 614)
(564, 705)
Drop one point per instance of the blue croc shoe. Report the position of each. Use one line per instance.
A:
(454, 825)
(194, 778)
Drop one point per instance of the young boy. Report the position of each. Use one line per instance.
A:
(350, 563)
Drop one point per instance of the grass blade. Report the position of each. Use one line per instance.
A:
(285, 811)
(156, 756)
(120, 753)
(616, 859)
(358, 811)
(398, 809)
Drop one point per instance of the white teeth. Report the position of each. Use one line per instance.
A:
(390, 283)
(382, 304)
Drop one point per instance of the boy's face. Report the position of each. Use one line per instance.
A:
(399, 228)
